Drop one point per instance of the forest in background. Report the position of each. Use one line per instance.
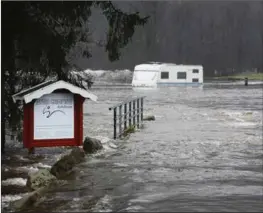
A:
(226, 37)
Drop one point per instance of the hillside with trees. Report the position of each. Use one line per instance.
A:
(224, 36)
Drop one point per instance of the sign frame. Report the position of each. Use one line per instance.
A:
(28, 126)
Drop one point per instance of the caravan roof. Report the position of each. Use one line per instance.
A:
(147, 67)
(153, 66)
(156, 66)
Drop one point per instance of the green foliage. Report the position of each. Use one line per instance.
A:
(242, 76)
(45, 32)
(38, 36)
(129, 130)
(121, 28)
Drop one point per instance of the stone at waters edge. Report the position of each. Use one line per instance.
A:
(39, 179)
(42, 180)
(30, 199)
(65, 165)
(91, 145)
(149, 118)
(35, 197)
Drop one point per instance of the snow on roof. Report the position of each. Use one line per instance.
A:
(48, 87)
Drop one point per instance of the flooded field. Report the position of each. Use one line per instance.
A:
(202, 153)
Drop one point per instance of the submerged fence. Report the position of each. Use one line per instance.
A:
(127, 114)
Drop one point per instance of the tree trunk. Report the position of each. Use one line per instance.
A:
(3, 133)
(261, 70)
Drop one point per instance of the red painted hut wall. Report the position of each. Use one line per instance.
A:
(28, 127)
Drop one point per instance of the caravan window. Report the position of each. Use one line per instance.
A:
(195, 80)
(164, 75)
(195, 70)
(181, 75)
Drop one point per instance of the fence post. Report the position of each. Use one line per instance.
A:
(130, 114)
(135, 116)
(120, 118)
(138, 113)
(134, 113)
(114, 123)
(141, 109)
(125, 116)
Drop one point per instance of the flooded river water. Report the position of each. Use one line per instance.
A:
(202, 153)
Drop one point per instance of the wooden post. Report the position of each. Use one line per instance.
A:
(246, 81)
(114, 123)
(120, 118)
(138, 113)
(125, 116)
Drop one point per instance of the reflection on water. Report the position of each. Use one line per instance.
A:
(203, 153)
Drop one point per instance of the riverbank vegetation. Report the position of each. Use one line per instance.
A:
(41, 40)
(241, 76)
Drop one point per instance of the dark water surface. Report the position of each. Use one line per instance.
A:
(202, 153)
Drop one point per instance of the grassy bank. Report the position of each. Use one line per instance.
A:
(241, 76)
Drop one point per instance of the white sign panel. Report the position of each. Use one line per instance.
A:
(54, 116)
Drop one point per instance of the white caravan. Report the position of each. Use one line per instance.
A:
(155, 74)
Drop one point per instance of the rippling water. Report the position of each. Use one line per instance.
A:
(202, 153)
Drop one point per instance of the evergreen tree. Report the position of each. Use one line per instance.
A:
(37, 38)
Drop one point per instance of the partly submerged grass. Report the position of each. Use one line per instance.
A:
(242, 76)
(129, 130)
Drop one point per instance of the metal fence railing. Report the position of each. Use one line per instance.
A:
(126, 115)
